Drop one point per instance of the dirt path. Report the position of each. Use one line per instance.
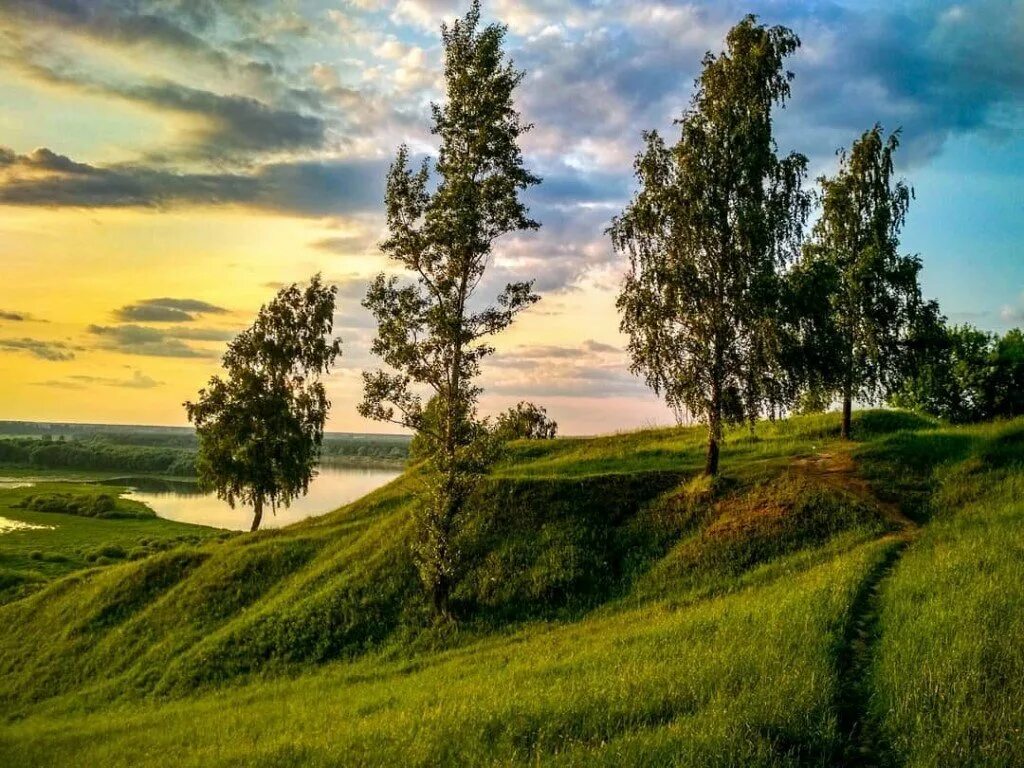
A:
(838, 469)
(861, 742)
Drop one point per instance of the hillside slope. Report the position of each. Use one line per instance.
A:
(615, 608)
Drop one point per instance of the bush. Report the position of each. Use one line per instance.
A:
(113, 551)
(83, 505)
(525, 421)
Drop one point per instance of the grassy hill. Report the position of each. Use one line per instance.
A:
(821, 603)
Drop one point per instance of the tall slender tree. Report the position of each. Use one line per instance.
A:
(715, 217)
(261, 427)
(431, 333)
(863, 209)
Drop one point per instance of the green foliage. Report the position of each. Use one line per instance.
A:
(716, 216)
(950, 661)
(525, 421)
(962, 374)
(876, 291)
(429, 332)
(261, 428)
(167, 452)
(94, 453)
(1006, 388)
(387, 450)
(100, 505)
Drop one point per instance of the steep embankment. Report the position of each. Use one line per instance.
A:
(614, 608)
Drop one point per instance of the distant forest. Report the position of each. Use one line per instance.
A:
(157, 450)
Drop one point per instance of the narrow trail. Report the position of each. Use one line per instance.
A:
(861, 742)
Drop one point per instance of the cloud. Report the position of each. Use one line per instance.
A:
(593, 369)
(598, 347)
(138, 380)
(230, 124)
(45, 350)
(304, 188)
(201, 334)
(1012, 315)
(350, 315)
(14, 316)
(60, 384)
(204, 31)
(597, 75)
(111, 21)
(344, 244)
(156, 342)
(166, 310)
(425, 14)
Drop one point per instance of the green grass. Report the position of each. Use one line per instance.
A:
(950, 665)
(63, 543)
(741, 679)
(614, 609)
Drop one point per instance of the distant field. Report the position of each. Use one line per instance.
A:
(821, 604)
(101, 448)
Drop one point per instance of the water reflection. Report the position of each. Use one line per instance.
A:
(182, 500)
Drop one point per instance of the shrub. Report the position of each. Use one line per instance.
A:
(109, 552)
(525, 421)
(102, 505)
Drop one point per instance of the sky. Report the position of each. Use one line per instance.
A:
(166, 165)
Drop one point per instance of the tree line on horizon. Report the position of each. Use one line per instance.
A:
(733, 311)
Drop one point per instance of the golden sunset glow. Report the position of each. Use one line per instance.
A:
(213, 155)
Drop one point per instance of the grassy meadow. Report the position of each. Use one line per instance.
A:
(58, 528)
(821, 603)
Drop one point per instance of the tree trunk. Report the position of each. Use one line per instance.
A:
(844, 431)
(847, 409)
(440, 595)
(257, 514)
(711, 465)
(714, 428)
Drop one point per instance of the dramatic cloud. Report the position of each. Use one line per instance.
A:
(45, 350)
(231, 37)
(156, 342)
(306, 188)
(230, 124)
(233, 123)
(307, 103)
(166, 310)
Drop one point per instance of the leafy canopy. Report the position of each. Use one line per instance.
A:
(433, 333)
(875, 293)
(716, 216)
(525, 421)
(261, 426)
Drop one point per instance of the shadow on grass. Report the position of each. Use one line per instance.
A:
(901, 467)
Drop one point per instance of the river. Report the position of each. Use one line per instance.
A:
(334, 486)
